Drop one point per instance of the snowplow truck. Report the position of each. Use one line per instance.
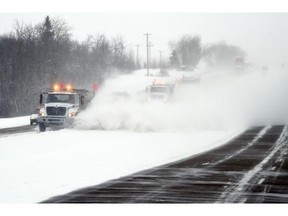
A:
(160, 92)
(60, 107)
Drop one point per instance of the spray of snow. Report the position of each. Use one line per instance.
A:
(222, 100)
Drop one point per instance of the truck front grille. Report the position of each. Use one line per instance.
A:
(56, 111)
(157, 96)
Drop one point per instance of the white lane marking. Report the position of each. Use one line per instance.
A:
(259, 135)
(261, 181)
(243, 200)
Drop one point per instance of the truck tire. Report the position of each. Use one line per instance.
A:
(42, 127)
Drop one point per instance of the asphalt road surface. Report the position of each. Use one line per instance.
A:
(251, 168)
(16, 130)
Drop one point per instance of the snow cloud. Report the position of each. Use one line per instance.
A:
(222, 100)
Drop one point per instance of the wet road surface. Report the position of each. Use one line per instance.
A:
(251, 168)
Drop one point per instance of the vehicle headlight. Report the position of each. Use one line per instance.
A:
(42, 112)
(71, 113)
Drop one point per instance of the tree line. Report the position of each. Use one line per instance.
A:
(188, 51)
(34, 57)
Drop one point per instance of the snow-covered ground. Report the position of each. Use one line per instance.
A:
(14, 122)
(37, 166)
(115, 137)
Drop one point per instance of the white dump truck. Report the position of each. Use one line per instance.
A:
(60, 106)
(161, 92)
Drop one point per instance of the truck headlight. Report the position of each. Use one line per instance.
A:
(71, 114)
(42, 112)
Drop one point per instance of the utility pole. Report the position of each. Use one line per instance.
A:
(160, 53)
(137, 59)
(147, 44)
(150, 45)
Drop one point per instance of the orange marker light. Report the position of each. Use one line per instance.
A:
(56, 87)
(68, 87)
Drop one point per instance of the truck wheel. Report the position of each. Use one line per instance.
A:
(42, 127)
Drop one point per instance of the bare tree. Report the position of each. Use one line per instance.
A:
(189, 51)
(222, 55)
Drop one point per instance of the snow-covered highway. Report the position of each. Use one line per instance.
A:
(251, 168)
(116, 138)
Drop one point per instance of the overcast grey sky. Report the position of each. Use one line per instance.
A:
(262, 35)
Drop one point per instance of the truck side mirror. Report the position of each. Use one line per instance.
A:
(41, 99)
(82, 100)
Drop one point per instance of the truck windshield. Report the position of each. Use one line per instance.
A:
(61, 98)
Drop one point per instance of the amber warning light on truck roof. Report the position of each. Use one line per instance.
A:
(56, 87)
(68, 87)
(59, 87)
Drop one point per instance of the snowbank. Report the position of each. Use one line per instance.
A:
(14, 122)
